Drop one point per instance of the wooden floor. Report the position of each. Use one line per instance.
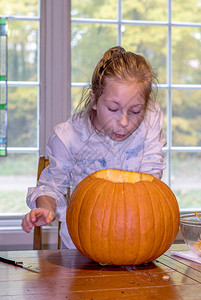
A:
(66, 274)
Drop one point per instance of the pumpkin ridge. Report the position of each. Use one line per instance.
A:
(105, 229)
(80, 247)
(172, 213)
(125, 231)
(155, 192)
(103, 248)
(71, 207)
(139, 243)
(170, 192)
(153, 212)
(98, 182)
(110, 250)
(163, 241)
(91, 227)
(102, 251)
(130, 224)
(147, 257)
(173, 209)
(147, 189)
(83, 204)
(120, 202)
(124, 217)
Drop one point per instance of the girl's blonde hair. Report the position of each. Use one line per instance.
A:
(119, 65)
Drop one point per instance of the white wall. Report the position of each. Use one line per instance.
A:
(55, 66)
(12, 237)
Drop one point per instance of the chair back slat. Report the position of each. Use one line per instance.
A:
(37, 240)
(43, 163)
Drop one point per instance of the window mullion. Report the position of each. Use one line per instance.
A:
(169, 92)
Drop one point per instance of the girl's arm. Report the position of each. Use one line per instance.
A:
(54, 180)
(42, 215)
(46, 202)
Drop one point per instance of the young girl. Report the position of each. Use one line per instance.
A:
(120, 127)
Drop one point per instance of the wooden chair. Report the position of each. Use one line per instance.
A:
(37, 242)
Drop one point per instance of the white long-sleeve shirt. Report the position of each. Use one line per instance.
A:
(75, 150)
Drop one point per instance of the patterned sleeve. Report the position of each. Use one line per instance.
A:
(153, 158)
(55, 178)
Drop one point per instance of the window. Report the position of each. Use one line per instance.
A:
(168, 33)
(18, 169)
(39, 48)
(37, 90)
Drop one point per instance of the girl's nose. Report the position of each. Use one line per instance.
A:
(123, 120)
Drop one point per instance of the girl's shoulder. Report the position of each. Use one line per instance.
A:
(153, 110)
(74, 122)
(153, 107)
(74, 127)
(153, 117)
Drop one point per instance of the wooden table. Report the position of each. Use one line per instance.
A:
(66, 274)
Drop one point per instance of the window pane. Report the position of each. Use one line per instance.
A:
(19, 8)
(186, 55)
(94, 9)
(186, 11)
(87, 48)
(22, 116)
(186, 170)
(155, 10)
(22, 50)
(186, 117)
(137, 39)
(17, 173)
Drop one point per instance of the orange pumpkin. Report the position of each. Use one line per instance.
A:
(122, 218)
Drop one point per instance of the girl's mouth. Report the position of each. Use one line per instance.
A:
(119, 136)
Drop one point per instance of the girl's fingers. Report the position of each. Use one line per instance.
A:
(51, 216)
(35, 214)
(37, 217)
(26, 224)
(29, 220)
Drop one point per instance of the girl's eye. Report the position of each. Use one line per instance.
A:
(112, 109)
(135, 112)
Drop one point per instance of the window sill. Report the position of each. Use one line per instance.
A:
(12, 237)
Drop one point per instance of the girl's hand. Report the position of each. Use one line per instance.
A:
(37, 217)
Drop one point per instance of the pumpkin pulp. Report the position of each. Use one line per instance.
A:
(117, 176)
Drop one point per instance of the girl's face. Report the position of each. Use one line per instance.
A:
(119, 110)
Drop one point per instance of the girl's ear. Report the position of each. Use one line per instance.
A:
(92, 98)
